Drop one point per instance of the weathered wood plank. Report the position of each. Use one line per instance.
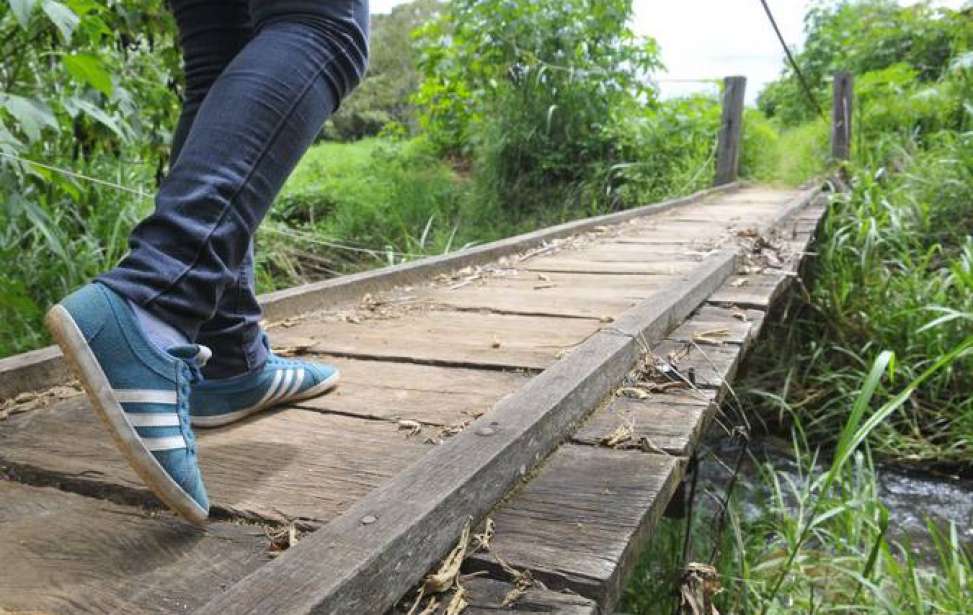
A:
(367, 558)
(670, 422)
(543, 299)
(429, 394)
(486, 597)
(713, 325)
(446, 337)
(64, 553)
(278, 465)
(30, 371)
(574, 263)
(752, 290)
(579, 523)
(712, 366)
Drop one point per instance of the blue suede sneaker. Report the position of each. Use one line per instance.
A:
(139, 391)
(219, 402)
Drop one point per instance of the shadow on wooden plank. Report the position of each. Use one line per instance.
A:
(66, 553)
(277, 465)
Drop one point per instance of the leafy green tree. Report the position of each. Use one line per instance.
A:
(531, 91)
(384, 97)
(864, 36)
(85, 87)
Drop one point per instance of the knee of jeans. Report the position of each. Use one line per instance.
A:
(339, 24)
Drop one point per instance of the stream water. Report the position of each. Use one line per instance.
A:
(913, 498)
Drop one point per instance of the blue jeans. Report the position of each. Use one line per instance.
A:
(262, 76)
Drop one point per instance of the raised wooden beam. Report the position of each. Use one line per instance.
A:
(728, 145)
(366, 559)
(370, 556)
(841, 116)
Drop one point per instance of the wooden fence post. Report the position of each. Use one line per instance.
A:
(728, 145)
(841, 116)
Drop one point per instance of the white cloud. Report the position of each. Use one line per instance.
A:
(712, 39)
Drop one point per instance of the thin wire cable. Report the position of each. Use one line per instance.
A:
(76, 175)
(290, 232)
(793, 63)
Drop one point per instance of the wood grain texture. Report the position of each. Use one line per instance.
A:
(444, 337)
(713, 366)
(429, 394)
(486, 597)
(572, 263)
(367, 558)
(715, 325)
(278, 465)
(63, 553)
(841, 116)
(542, 299)
(670, 422)
(759, 290)
(579, 523)
(728, 144)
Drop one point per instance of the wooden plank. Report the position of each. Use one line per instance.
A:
(367, 558)
(31, 371)
(279, 465)
(606, 285)
(618, 251)
(671, 422)
(712, 366)
(429, 394)
(65, 553)
(45, 367)
(569, 263)
(580, 522)
(542, 299)
(713, 325)
(752, 291)
(444, 337)
(485, 596)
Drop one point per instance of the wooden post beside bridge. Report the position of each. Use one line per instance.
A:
(728, 144)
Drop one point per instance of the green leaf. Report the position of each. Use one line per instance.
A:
(62, 17)
(76, 105)
(9, 144)
(89, 69)
(32, 114)
(22, 10)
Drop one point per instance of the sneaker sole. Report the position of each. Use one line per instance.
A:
(82, 360)
(238, 415)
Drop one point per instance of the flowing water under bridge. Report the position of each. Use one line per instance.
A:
(554, 383)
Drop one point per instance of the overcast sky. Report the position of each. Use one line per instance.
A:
(707, 39)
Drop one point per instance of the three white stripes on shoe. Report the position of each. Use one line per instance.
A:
(286, 382)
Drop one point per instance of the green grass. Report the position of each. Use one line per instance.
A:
(817, 541)
(894, 271)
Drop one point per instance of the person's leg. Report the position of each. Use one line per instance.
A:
(211, 34)
(257, 119)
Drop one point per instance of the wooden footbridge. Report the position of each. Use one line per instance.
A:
(513, 420)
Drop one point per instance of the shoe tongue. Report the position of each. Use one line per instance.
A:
(194, 354)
